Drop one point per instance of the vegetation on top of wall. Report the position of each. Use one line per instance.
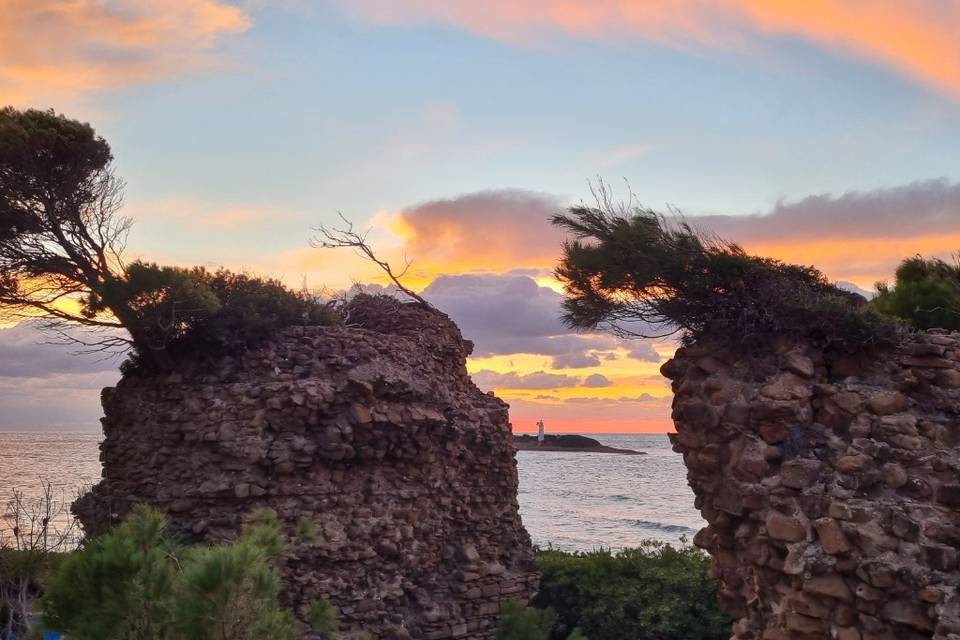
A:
(212, 312)
(653, 592)
(636, 273)
(926, 293)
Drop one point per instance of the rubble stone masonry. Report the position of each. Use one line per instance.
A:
(830, 485)
(393, 475)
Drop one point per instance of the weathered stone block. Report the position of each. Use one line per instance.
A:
(784, 527)
(831, 536)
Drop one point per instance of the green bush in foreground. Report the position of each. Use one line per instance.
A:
(135, 583)
(518, 622)
(653, 592)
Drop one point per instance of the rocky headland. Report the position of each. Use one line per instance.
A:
(567, 442)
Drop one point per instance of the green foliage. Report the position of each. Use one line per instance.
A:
(631, 271)
(653, 592)
(22, 573)
(43, 155)
(167, 302)
(59, 237)
(324, 619)
(518, 622)
(926, 293)
(307, 530)
(218, 312)
(136, 583)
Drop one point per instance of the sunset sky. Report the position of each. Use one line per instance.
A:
(822, 132)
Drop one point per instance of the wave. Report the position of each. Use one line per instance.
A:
(660, 526)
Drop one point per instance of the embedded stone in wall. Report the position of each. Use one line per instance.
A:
(831, 486)
(393, 474)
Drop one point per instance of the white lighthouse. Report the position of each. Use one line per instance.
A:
(540, 430)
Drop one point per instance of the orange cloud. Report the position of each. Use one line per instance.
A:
(52, 50)
(492, 231)
(859, 236)
(914, 37)
(861, 261)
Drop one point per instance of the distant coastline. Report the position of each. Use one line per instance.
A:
(566, 442)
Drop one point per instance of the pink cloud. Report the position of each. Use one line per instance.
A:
(52, 50)
(495, 230)
(915, 37)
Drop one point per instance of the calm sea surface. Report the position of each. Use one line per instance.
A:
(569, 501)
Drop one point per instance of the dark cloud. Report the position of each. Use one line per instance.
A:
(597, 380)
(59, 402)
(575, 361)
(643, 398)
(506, 314)
(488, 380)
(25, 352)
(903, 211)
(46, 386)
(643, 351)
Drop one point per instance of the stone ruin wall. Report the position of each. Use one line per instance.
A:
(392, 473)
(831, 487)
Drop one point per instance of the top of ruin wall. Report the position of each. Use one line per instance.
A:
(415, 334)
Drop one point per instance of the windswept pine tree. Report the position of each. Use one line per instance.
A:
(637, 273)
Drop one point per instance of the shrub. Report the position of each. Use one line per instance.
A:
(135, 582)
(653, 592)
(518, 622)
(926, 293)
(324, 619)
(635, 273)
(195, 310)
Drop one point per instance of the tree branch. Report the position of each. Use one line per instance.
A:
(347, 237)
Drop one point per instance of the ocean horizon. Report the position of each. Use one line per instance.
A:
(571, 501)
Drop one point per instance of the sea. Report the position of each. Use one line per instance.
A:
(570, 501)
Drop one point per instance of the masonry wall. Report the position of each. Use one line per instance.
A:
(393, 474)
(830, 486)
